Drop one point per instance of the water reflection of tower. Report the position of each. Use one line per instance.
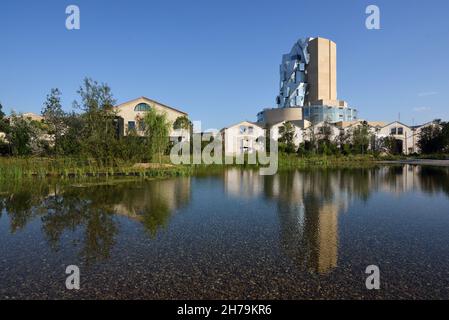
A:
(308, 208)
(308, 205)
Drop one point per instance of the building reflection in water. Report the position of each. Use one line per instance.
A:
(243, 183)
(153, 203)
(309, 202)
(88, 211)
(308, 207)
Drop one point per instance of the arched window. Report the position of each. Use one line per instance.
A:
(142, 107)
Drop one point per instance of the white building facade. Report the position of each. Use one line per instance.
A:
(243, 138)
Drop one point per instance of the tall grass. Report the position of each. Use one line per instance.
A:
(17, 168)
(296, 162)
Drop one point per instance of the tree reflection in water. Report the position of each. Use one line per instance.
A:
(90, 211)
(308, 202)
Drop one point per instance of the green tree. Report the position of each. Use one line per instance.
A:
(344, 142)
(20, 135)
(183, 123)
(324, 141)
(361, 138)
(4, 129)
(54, 117)
(389, 144)
(133, 147)
(287, 136)
(70, 142)
(445, 136)
(2, 114)
(432, 139)
(311, 140)
(157, 130)
(99, 134)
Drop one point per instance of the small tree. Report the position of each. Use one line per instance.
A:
(287, 135)
(431, 139)
(157, 130)
(70, 143)
(20, 136)
(99, 129)
(324, 142)
(310, 145)
(54, 116)
(344, 142)
(2, 114)
(182, 123)
(4, 129)
(389, 144)
(361, 138)
(445, 136)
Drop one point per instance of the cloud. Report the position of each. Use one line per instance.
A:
(426, 94)
(421, 109)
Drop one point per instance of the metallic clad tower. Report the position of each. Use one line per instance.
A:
(308, 80)
(293, 78)
(308, 73)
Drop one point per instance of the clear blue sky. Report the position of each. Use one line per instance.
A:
(219, 60)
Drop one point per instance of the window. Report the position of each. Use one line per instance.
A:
(242, 129)
(393, 131)
(131, 125)
(142, 107)
(250, 130)
(400, 131)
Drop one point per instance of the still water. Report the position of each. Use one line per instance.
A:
(297, 235)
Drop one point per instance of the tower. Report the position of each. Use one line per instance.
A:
(322, 70)
(308, 81)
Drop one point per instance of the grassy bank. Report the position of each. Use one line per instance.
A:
(287, 162)
(65, 167)
(16, 168)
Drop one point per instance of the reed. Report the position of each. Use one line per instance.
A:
(297, 162)
(18, 168)
(68, 167)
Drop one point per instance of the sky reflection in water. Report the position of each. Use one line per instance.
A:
(235, 234)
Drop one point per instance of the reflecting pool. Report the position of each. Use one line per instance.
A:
(307, 234)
